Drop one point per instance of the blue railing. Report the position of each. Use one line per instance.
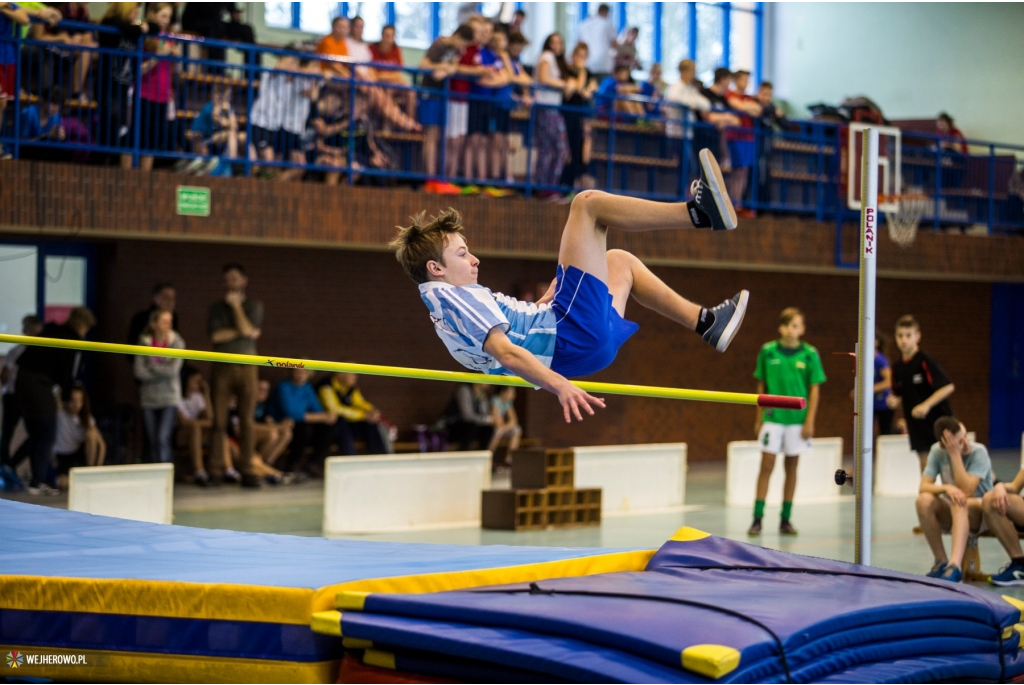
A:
(166, 104)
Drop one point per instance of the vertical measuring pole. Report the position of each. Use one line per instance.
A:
(864, 425)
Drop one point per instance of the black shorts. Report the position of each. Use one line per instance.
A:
(288, 142)
(501, 119)
(65, 462)
(479, 117)
(922, 434)
(263, 138)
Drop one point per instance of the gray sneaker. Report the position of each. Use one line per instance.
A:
(710, 195)
(937, 568)
(728, 317)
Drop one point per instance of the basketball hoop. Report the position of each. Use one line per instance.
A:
(904, 221)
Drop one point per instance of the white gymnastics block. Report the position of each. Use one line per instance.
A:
(815, 474)
(140, 492)
(634, 479)
(897, 468)
(387, 493)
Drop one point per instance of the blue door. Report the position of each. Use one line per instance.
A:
(1006, 408)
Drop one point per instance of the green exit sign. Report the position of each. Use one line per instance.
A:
(193, 201)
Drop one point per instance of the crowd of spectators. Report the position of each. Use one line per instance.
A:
(307, 119)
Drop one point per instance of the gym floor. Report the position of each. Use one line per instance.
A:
(826, 530)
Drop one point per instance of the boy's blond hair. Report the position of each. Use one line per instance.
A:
(424, 241)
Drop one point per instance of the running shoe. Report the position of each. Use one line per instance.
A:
(952, 573)
(232, 476)
(728, 317)
(937, 568)
(201, 478)
(43, 490)
(441, 188)
(491, 191)
(786, 528)
(755, 527)
(710, 195)
(1012, 574)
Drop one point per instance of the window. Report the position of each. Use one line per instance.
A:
(375, 16)
(315, 17)
(449, 16)
(412, 24)
(675, 38)
(741, 41)
(641, 15)
(278, 15)
(710, 46)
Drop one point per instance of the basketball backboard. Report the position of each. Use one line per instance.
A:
(890, 178)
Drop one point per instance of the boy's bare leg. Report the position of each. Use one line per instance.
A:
(1003, 526)
(627, 275)
(585, 237)
(934, 516)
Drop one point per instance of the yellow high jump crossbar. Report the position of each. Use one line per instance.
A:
(752, 399)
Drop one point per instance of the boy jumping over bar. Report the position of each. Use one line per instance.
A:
(577, 327)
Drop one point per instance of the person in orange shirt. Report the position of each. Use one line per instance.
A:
(335, 45)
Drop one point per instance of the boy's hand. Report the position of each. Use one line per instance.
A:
(572, 399)
(999, 498)
(892, 401)
(807, 431)
(956, 495)
(920, 411)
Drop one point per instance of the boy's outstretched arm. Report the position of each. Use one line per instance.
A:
(525, 365)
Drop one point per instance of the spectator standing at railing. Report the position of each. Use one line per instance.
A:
(684, 92)
(460, 110)
(335, 44)
(625, 49)
(954, 137)
(206, 19)
(577, 96)
(552, 142)
(115, 77)
(280, 111)
(387, 51)
(11, 17)
(771, 119)
(484, 111)
(519, 94)
(741, 143)
(613, 92)
(158, 133)
(655, 81)
(720, 115)
(501, 110)
(159, 385)
(599, 35)
(442, 60)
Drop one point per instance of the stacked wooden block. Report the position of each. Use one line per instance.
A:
(542, 495)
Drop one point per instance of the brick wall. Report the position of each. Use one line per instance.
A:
(358, 306)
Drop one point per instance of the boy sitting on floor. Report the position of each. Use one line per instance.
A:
(577, 327)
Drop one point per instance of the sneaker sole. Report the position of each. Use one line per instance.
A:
(717, 186)
(1006, 583)
(734, 323)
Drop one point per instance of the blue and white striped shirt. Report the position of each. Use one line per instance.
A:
(464, 315)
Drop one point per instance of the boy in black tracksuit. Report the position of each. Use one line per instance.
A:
(921, 386)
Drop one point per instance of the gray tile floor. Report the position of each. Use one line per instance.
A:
(826, 530)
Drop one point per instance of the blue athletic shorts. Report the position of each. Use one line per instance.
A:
(589, 330)
(429, 111)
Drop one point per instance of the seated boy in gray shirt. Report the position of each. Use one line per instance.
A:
(954, 507)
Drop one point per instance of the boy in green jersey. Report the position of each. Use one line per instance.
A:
(786, 366)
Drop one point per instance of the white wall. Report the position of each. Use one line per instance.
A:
(913, 59)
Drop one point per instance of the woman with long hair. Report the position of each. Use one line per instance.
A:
(552, 143)
(159, 385)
